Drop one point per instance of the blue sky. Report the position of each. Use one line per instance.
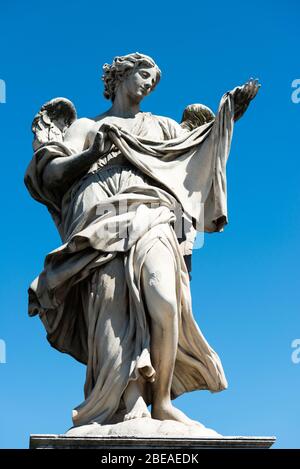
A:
(245, 283)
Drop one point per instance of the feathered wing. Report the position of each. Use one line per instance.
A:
(52, 121)
(196, 115)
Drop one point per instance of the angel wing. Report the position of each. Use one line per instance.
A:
(196, 115)
(52, 121)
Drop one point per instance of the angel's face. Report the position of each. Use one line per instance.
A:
(139, 83)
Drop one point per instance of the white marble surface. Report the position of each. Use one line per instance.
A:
(144, 427)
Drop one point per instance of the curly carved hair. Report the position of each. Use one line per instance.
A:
(121, 67)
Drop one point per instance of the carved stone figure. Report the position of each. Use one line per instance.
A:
(127, 191)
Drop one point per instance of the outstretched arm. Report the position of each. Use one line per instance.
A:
(243, 95)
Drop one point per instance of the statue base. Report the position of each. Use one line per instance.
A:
(146, 434)
(138, 443)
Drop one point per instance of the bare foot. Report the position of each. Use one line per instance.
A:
(169, 412)
(139, 410)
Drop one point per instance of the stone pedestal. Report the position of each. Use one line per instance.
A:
(146, 434)
(150, 443)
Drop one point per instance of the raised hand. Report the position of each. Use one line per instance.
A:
(243, 95)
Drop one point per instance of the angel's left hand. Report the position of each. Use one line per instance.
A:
(243, 95)
(249, 90)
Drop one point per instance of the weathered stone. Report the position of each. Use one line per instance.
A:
(116, 294)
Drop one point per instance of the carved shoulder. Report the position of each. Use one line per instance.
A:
(77, 134)
(171, 128)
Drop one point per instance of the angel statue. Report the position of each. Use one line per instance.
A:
(116, 294)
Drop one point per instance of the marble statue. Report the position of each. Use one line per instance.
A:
(116, 294)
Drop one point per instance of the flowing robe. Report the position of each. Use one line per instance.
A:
(89, 295)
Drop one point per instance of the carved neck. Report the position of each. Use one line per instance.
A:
(124, 106)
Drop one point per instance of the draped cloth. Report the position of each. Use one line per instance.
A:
(89, 295)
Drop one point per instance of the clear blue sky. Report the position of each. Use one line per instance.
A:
(246, 280)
